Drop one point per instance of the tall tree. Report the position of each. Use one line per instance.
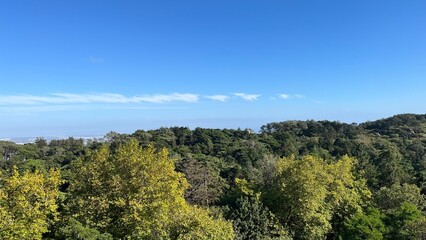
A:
(206, 185)
(135, 192)
(391, 167)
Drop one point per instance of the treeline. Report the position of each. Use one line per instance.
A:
(292, 180)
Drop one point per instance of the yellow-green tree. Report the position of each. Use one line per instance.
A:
(135, 193)
(309, 193)
(198, 224)
(27, 204)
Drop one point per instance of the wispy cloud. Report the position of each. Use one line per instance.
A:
(220, 98)
(6, 110)
(247, 97)
(114, 98)
(286, 96)
(91, 98)
(164, 98)
(69, 98)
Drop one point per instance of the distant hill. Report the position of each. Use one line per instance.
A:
(403, 125)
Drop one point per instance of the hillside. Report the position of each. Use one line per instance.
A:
(342, 174)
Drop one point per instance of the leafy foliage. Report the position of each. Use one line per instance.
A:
(252, 220)
(308, 179)
(401, 219)
(308, 193)
(73, 229)
(135, 192)
(27, 204)
(393, 197)
(365, 225)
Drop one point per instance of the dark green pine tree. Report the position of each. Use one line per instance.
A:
(253, 221)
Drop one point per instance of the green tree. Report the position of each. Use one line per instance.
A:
(364, 225)
(391, 168)
(417, 228)
(401, 220)
(74, 230)
(253, 221)
(390, 198)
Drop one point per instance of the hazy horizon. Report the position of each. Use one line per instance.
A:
(201, 123)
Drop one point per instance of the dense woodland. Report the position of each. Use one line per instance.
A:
(292, 180)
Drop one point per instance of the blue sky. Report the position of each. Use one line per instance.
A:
(89, 67)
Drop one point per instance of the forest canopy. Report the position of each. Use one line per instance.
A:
(292, 180)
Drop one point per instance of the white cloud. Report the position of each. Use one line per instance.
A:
(69, 98)
(284, 96)
(220, 98)
(93, 98)
(247, 97)
(163, 98)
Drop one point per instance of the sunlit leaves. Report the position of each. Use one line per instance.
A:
(135, 192)
(27, 204)
(309, 193)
